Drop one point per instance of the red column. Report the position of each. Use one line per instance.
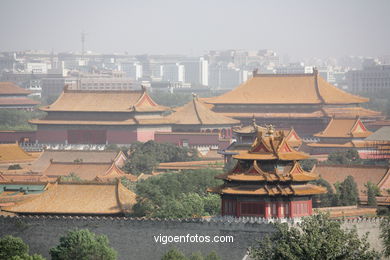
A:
(223, 207)
(266, 209)
(310, 207)
(291, 204)
(238, 209)
(279, 209)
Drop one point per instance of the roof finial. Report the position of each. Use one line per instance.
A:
(254, 123)
(270, 130)
(255, 72)
(194, 96)
(143, 88)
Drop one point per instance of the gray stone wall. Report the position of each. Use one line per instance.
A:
(133, 238)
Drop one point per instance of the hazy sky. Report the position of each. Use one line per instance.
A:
(300, 28)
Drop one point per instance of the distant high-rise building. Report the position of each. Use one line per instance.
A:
(224, 77)
(372, 78)
(173, 72)
(196, 72)
(294, 68)
(132, 70)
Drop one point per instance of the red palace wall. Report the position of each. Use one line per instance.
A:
(52, 136)
(16, 136)
(86, 136)
(121, 136)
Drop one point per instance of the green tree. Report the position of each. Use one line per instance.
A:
(11, 119)
(350, 156)
(348, 192)
(372, 191)
(308, 164)
(15, 249)
(316, 237)
(83, 245)
(385, 235)
(174, 254)
(72, 177)
(144, 157)
(324, 200)
(174, 195)
(27, 257)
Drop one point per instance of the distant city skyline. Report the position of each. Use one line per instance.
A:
(300, 29)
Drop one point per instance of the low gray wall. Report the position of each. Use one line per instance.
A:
(133, 238)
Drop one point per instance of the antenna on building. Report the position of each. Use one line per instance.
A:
(83, 34)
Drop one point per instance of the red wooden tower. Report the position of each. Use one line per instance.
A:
(268, 180)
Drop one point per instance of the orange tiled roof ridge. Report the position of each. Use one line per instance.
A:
(287, 89)
(196, 113)
(104, 101)
(87, 170)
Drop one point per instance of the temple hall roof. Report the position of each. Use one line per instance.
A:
(104, 101)
(12, 153)
(196, 113)
(287, 89)
(344, 128)
(79, 199)
(71, 155)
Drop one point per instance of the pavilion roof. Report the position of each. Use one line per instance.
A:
(344, 128)
(268, 189)
(104, 101)
(287, 89)
(293, 172)
(272, 145)
(196, 113)
(79, 198)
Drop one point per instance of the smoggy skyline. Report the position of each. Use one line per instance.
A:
(301, 29)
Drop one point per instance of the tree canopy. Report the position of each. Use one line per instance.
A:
(316, 238)
(175, 254)
(12, 119)
(83, 245)
(14, 248)
(178, 195)
(350, 156)
(348, 194)
(145, 156)
(385, 235)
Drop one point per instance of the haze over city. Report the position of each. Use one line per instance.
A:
(301, 29)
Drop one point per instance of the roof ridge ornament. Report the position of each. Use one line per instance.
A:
(270, 129)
